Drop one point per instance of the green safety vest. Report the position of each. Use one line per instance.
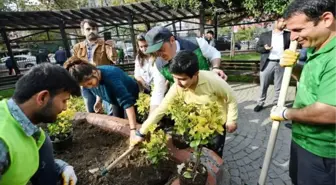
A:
(23, 150)
(203, 63)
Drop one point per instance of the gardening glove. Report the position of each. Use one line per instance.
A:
(289, 58)
(278, 113)
(98, 107)
(231, 127)
(136, 138)
(69, 176)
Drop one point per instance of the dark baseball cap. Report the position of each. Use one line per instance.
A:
(156, 37)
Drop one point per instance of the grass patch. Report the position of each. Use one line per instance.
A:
(244, 56)
(6, 93)
(240, 78)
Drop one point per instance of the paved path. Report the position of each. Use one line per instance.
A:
(245, 149)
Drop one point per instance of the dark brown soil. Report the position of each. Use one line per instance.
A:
(93, 147)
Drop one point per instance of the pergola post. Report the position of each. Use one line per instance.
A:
(148, 27)
(130, 23)
(9, 49)
(202, 19)
(216, 25)
(65, 40)
(174, 28)
(48, 36)
(117, 31)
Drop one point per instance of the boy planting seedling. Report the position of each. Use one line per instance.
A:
(197, 87)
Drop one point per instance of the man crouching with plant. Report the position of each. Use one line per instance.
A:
(196, 87)
(26, 152)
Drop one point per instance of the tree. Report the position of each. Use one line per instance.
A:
(266, 7)
(224, 31)
(252, 7)
(245, 34)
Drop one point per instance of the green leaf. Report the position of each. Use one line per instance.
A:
(187, 175)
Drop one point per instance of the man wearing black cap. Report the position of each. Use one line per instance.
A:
(165, 45)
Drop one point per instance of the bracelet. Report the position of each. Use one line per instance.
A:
(216, 67)
(132, 128)
(137, 133)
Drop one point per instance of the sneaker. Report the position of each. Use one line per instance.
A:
(258, 108)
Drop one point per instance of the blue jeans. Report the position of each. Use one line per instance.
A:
(90, 100)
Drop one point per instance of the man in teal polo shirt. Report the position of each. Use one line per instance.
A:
(313, 149)
(165, 45)
(26, 152)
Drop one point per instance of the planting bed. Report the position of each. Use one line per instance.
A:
(93, 147)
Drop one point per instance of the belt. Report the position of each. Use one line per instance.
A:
(273, 60)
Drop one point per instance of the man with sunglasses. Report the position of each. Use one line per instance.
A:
(165, 45)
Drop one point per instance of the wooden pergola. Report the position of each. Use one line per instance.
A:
(113, 16)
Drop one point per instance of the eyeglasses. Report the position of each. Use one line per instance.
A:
(141, 36)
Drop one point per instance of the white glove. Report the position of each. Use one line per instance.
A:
(278, 113)
(69, 176)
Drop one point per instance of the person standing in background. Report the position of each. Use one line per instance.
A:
(97, 52)
(60, 56)
(271, 45)
(143, 71)
(210, 37)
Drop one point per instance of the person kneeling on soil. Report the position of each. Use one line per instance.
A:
(26, 152)
(108, 83)
(198, 87)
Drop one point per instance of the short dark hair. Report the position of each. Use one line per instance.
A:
(313, 9)
(211, 32)
(81, 70)
(185, 62)
(45, 76)
(90, 22)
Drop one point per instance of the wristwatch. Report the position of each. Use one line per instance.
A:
(137, 133)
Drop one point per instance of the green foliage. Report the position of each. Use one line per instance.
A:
(76, 104)
(63, 125)
(245, 34)
(240, 78)
(244, 56)
(198, 123)
(156, 148)
(29, 5)
(6, 93)
(143, 105)
(266, 7)
(224, 31)
(192, 4)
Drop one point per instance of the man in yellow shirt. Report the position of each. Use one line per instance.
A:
(199, 87)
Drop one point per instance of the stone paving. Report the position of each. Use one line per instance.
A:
(245, 149)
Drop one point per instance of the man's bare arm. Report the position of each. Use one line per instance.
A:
(317, 113)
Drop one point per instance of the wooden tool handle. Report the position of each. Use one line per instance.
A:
(119, 158)
(275, 126)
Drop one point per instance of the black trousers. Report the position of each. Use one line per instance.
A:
(306, 168)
